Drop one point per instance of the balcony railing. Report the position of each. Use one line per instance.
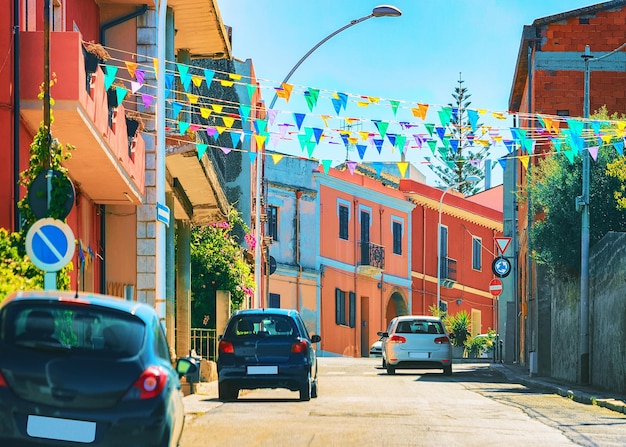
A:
(372, 259)
(447, 272)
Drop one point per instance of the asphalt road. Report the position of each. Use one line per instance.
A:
(360, 405)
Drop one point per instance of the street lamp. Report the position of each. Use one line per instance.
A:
(378, 11)
(469, 179)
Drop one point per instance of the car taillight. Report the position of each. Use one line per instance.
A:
(149, 384)
(299, 347)
(3, 382)
(226, 347)
(397, 339)
(442, 340)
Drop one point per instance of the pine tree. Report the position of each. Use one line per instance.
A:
(461, 157)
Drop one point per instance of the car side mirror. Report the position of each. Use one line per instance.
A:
(382, 334)
(316, 338)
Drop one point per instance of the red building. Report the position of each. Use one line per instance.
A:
(469, 227)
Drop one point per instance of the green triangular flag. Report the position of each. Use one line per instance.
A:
(201, 149)
(382, 127)
(251, 90)
(121, 94)
(444, 115)
(432, 144)
(109, 77)
(310, 147)
(394, 106)
(311, 95)
(326, 165)
(182, 127)
(429, 127)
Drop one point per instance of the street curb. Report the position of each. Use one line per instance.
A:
(570, 393)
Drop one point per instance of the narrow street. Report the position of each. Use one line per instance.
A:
(359, 404)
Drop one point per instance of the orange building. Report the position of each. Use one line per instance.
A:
(365, 232)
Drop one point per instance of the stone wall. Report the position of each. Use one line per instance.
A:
(607, 318)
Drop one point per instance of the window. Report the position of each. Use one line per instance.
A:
(397, 238)
(274, 301)
(476, 253)
(272, 222)
(341, 306)
(343, 222)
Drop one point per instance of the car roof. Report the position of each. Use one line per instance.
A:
(269, 311)
(421, 317)
(141, 310)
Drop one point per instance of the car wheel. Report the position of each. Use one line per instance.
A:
(314, 390)
(390, 369)
(226, 392)
(447, 370)
(305, 389)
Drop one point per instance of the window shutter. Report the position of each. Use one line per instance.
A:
(352, 309)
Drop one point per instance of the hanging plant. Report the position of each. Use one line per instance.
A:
(94, 54)
(134, 123)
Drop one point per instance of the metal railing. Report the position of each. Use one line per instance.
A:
(204, 342)
(372, 255)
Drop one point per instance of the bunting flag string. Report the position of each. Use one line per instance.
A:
(235, 118)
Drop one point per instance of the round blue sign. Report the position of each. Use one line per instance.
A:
(50, 244)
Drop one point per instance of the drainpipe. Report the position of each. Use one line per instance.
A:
(423, 260)
(16, 114)
(111, 23)
(298, 277)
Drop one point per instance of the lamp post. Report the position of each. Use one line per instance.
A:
(470, 179)
(378, 11)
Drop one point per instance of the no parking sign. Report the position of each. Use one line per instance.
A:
(50, 244)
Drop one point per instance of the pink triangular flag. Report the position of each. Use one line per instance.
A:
(351, 166)
(226, 150)
(594, 152)
(135, 86)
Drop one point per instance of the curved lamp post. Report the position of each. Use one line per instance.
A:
(470, 179)
(378, 11)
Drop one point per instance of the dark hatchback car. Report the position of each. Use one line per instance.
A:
(267, 348)
(86, 369)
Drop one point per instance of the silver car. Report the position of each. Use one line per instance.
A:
(416, 342)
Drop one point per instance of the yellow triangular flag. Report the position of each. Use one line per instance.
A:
(217, 108)
(260, 140)
(197, 81)
(234, 76)
(220, 129)
(524, 159)
(481, 111)
(193, 99)
(325, 118)
(351, 120)
(131, 67)
(362, 103)
(402, 167)
(205, 112)
(277, 157)
(226, 83)
(364, 135)
(353, 140)
(420, 111)
(285, 93)
(228, 121)
(155, 64)
(374, 99)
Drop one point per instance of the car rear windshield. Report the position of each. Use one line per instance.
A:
(420, 327)
(261, 325)
(85, 329)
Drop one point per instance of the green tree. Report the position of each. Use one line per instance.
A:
(16, 270)
(218, 263)
(461, 156)
(555, 182)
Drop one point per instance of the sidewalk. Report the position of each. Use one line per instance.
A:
(205, 398)
(578, 393)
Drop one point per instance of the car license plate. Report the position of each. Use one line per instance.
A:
(418, 355)
(262, 369)
(61, 429)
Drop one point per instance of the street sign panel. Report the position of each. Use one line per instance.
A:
(163, 214)
(501, 267)
(495, 287)
(502, 243)
(50, 244)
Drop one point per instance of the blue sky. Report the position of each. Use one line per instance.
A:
(415, 58)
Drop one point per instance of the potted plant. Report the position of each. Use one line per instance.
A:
(112, 94)
(459, 327)
(94, 54)
(134, 123)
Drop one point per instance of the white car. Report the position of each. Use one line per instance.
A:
(376, 350)
(416, 342)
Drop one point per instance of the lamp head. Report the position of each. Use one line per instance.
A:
(386, 11)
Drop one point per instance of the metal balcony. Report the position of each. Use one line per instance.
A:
(372, 259)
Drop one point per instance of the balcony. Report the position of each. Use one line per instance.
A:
(372, 261)
(447, 272)
(105, 166)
